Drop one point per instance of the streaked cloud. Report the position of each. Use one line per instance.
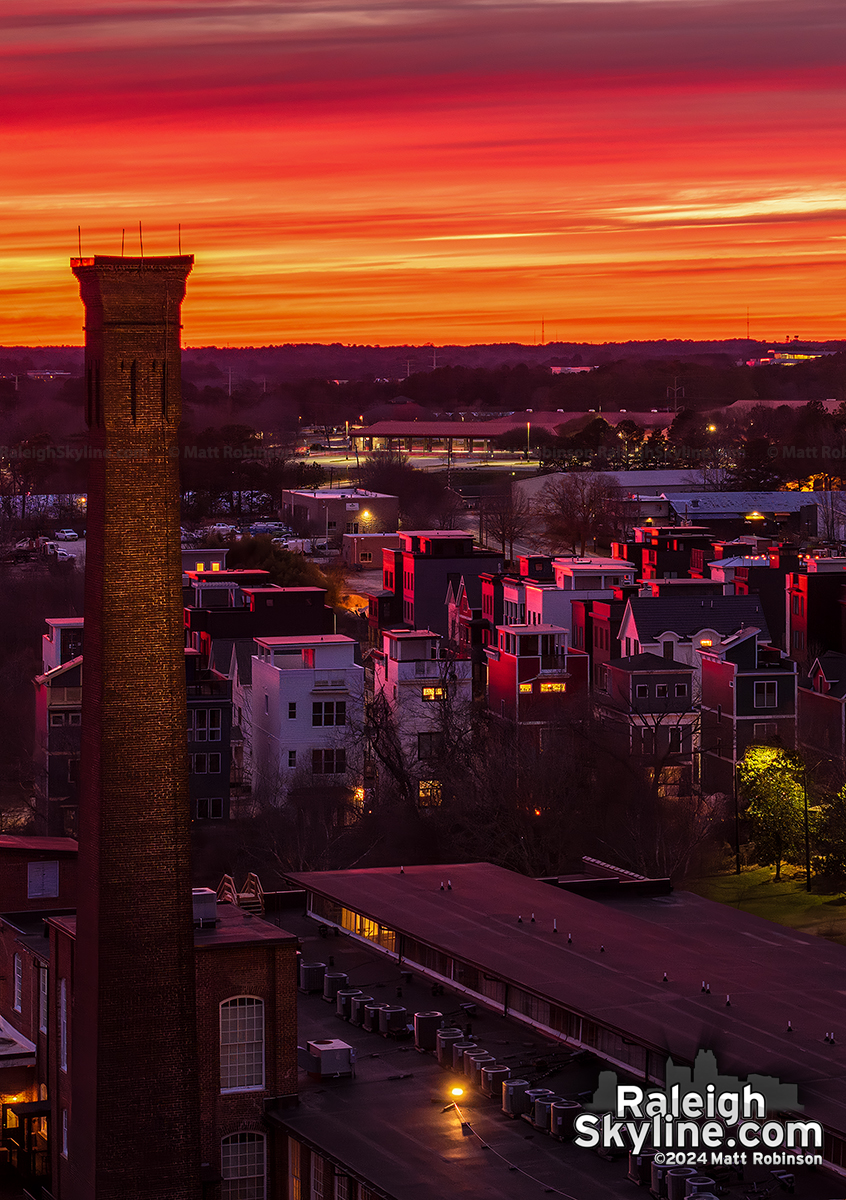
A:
(435, 170)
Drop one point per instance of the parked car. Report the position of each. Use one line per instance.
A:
(66, 535)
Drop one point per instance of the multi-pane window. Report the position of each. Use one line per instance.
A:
(429, 745)
(764, 729)
(320, 1177)
(42, 998)
(204, 725)
(342, 1187)
(553, 687)
(63, 1024)
(429, 793)
(241, 1044)
(42, 880)
(292, 710)
(18, 986)
(675, 740)
(292, 758)
(433, 693)
(64, 1133)
(210, 808)
(295, 1176)
(243, 1167)
(766, 694)
(329, 712)
(205, 764)
(328, 762)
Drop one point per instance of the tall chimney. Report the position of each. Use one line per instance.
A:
(134, 1120)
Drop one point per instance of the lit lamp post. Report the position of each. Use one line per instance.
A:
(528, 438)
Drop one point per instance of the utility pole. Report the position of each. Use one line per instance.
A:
(807, 831)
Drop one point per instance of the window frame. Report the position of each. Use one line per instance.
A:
(17, 984)
(764, 688)
(43, 997)
(234, 1032)
(243, 1137)
(63, 1025)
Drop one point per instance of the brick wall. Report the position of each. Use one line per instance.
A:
(14, 868)
(135, 1132)
(269, 973)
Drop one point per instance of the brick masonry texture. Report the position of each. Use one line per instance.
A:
(270, 974)
(134, 1131)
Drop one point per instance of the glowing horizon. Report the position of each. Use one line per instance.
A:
(443, 172)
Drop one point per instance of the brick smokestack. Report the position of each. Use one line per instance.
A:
(134, 1120)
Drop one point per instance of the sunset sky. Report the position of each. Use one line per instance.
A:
(416, 171)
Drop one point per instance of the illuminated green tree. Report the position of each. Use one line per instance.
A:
(767, 777)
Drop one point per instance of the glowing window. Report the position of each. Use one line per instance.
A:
(526, 688)
(553, 687)
(433, 693)
(201, 566)
(429, 793)
(215, 566)
(706, 642)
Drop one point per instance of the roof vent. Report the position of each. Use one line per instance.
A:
(205, 906)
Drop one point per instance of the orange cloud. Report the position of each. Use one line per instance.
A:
(442, 172)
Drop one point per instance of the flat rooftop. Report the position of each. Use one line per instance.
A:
(49, 845)
(387, 1125)
(310, 639)
(235, 927)
(773, 975)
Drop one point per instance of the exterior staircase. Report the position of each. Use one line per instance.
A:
(250, 897)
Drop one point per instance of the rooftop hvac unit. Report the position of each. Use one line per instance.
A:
(357, 1006)
(640, 1167)
(562, 1117)
(444, 1041)
(333, 981)
(393, 1018)
(332, 1057)
(477, 1062)
(470, 1056)
(311, 976)
(458, 1049)
(343, 1002)
(204, 902)
(698, 1185)
(493, 1077)
(541, 1113)
(676, 1180)
(371, 1016)
(658, 1183)
(514, 1101)
(426, 1026)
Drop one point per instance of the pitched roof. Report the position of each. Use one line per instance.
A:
(687, 615)
(833, 666)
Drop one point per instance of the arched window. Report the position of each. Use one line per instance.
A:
(241, 1044)
(243, 1167)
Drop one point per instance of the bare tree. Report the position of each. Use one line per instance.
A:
(578, 508)
(508, 515)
